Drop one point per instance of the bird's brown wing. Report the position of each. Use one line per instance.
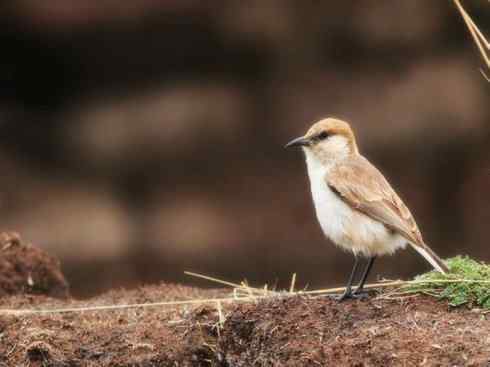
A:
(365, 189)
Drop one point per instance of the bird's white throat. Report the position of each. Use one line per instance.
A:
(328, 207)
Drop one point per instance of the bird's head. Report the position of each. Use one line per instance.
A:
(327, 140)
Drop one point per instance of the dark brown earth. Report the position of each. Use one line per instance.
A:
(280, 331)
(26, 269)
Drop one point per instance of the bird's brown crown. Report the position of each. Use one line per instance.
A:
(331, 127)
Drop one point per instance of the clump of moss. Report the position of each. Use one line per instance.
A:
(467, 283)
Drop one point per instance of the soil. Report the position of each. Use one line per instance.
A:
(26, 269)
(280, 331)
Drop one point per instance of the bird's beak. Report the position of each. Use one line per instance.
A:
(301, 141)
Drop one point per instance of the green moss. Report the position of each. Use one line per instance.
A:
(473, 291)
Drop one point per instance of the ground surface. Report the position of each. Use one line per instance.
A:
(282, 331)
(27, 269)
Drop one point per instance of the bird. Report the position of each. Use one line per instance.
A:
(356, 207)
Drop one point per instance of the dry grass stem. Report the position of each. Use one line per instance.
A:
(478, 37)
(293, 282)
(230, 284)
(22, 312)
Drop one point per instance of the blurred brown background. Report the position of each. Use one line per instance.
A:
(140, 139)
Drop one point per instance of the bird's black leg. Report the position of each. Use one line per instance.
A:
(359, 289)
(348, 288)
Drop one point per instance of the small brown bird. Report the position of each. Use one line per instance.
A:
(355, 205)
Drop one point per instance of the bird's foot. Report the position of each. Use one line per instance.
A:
(348, 294)
(360, 294)
(344, 296)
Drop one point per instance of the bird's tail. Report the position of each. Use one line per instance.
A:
(431, 257)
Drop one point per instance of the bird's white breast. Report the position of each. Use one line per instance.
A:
(346, 227)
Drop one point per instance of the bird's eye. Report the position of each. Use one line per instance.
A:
(323, 135)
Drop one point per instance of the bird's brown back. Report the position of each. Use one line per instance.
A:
(365, 189)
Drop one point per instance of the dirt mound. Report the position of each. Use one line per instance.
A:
(281, 331)
(25, 269)
(160, 336)
(308, 332)
(287, 331)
